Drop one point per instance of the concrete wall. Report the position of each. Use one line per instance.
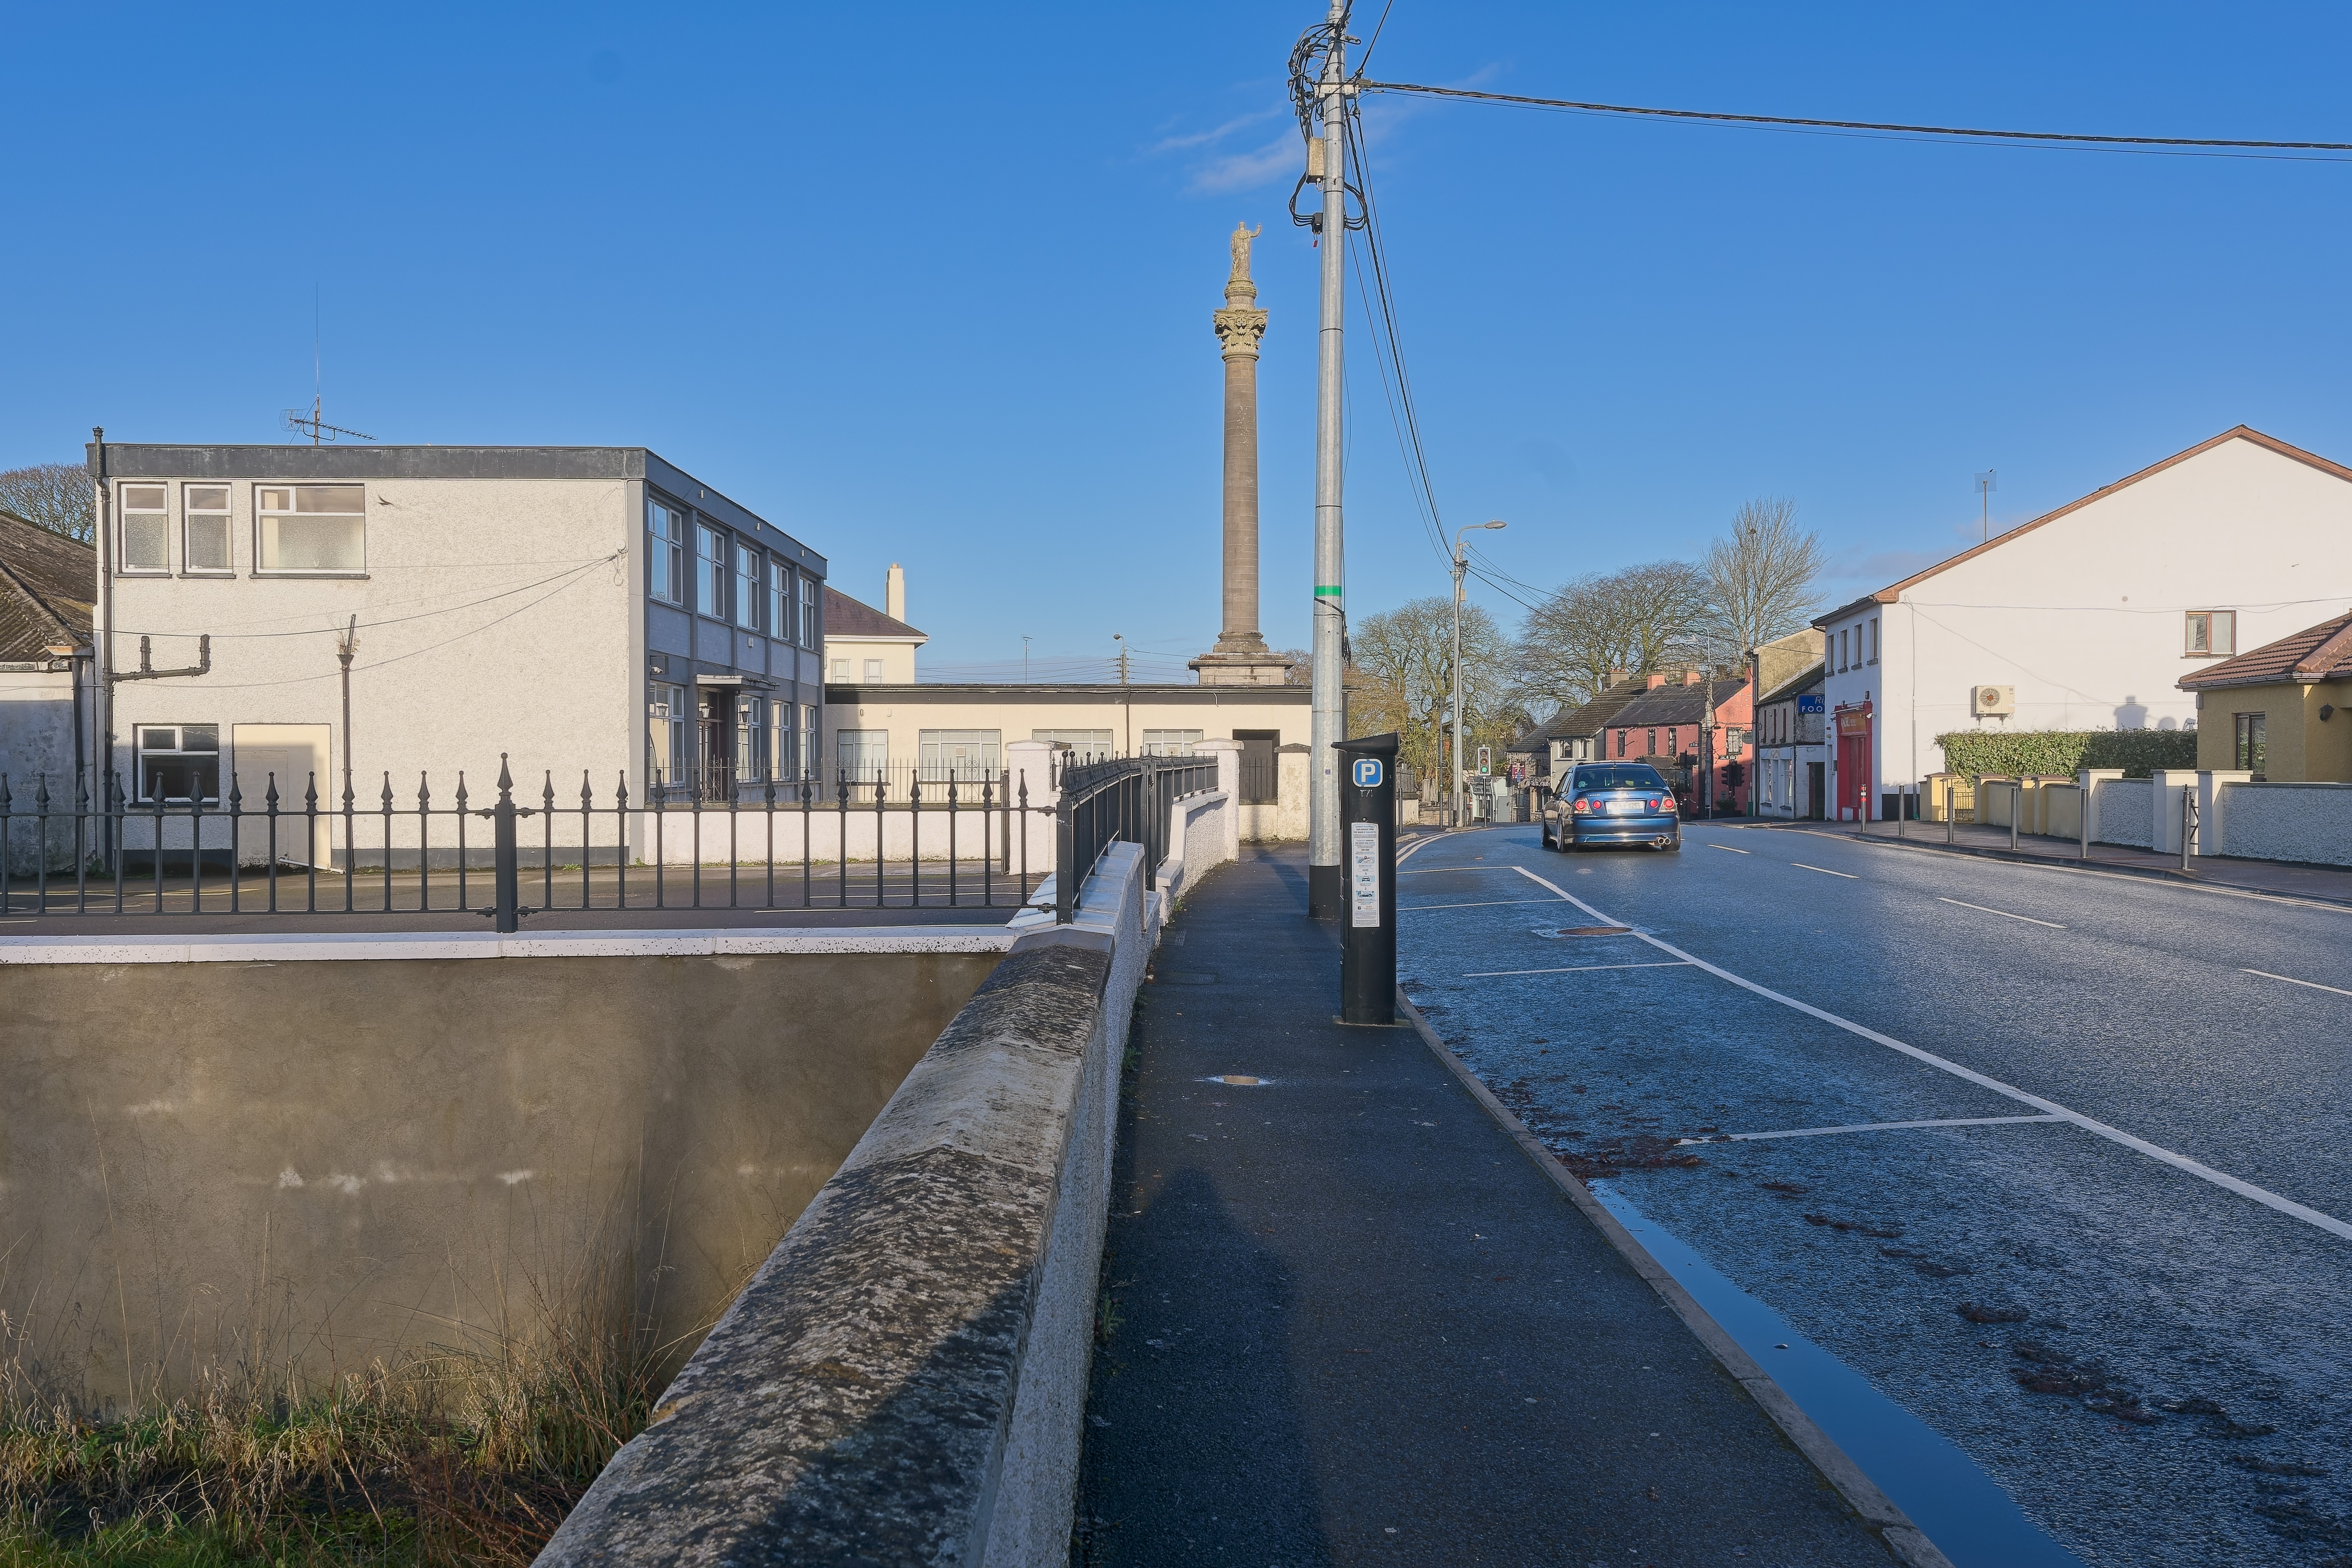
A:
(1125, 715)
(2124, 812)
(318, 1150)
(2308, 822)
(905, 1379)
(2083, 615)
(37, 743)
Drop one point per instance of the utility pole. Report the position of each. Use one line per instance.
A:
(1707, 737)
(346, 646)
(1126, 704)
(1325, 888)
(1985, 486)
(1461, 566)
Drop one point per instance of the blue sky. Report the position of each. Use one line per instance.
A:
(933, 285)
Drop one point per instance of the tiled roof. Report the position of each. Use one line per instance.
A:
(1586, 719)
(1798, 685)
(846, 617)
(2323, 652)
(1672, 704)
(46, 584)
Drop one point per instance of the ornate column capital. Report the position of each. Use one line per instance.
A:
(1239, 328)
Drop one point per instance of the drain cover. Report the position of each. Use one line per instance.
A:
(1594, 930)
(1237, 1080)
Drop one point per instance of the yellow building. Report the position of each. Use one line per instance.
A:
(2278, 712)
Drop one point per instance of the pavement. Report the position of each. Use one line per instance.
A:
(2331, 884)
(1346, 1318)
(2059, 1162)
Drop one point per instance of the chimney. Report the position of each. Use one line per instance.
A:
(1617, 678)
(1657, 678)
(894, 593)
(1693, 677)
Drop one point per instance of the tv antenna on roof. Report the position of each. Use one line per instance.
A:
(295, 419)
(1985, 486)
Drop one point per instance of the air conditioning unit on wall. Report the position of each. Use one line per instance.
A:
(1994, 702)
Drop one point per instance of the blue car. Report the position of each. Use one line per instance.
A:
(1612, 803)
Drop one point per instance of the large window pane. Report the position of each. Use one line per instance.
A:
(205, 512)
(311, 527)
(960, 753)
(863, 754)
(146, 529)
(746, 586)
(711, 573)
(780, 601)
(664, 553)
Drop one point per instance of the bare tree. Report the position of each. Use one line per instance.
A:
(1637, 619)
(1760, 576)
(1405, 658)
(56, 495)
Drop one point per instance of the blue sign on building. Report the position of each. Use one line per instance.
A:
(1810, 702)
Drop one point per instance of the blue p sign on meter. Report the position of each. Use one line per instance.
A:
(1368, 772)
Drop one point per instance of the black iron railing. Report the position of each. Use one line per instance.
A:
(1125, 800)
(773, 844)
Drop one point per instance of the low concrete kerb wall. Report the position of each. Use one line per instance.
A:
(903, 1380)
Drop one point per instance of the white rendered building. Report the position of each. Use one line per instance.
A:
(2086, 618)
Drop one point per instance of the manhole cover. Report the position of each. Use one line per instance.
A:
(1594, 930)
(1184, 978)
(1238, 1081)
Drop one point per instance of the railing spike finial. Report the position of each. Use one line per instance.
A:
(311, 794)
(387, 790)
(548, 795)
(506, 779)
(41, 794)
(424, 793)
(269, 800)
(4, 796)
(621, 792)
(461, 789)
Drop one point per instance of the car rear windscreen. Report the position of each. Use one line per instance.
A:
(1631, 776)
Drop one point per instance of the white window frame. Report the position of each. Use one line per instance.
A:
(2212, 649)
(122, 513)
(228, 516)
(839, 672)
(260, 523)
(141, 751)
(665, 553)
(930, 745)
(872, 672)
(1173, 742)
(1873, 639)
(668, 706)
(862, 754)
(750, 586)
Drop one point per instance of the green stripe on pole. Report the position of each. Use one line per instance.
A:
(1329, 593)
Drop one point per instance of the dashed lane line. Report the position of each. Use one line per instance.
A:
(2222, 1179)
(2291, 980)
(1576, 969)
(1987, 909)
(1824, 870)
(1875, 1127)
(1727, 849)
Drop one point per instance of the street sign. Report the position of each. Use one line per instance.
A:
(1368, 772)
(1810, 702)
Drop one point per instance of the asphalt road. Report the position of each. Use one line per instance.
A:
(2131, 1310)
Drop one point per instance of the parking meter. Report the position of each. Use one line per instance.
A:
(1368, 851)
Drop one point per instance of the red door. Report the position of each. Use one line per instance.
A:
(1854, 771)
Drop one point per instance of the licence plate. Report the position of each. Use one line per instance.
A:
(1625, 808)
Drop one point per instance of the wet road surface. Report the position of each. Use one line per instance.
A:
(2113, 1272)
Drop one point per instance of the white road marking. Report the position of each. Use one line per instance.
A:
(2291, 980)
(2004, 914)
(1575, 969)
(1416, 846)
(2222, 1179)
(1727, 849)
(1878, 1127)
(1445, 871)
(1824, 870)
(1491, 903)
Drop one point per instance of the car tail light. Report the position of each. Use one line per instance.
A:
(1582, 805)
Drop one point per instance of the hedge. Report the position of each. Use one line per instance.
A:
(2019, 753)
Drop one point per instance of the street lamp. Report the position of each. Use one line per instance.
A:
(1461, 566)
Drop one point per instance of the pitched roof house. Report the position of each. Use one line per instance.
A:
(2086, 618)
(1573, 735)
(46, 586)
(2277, 712)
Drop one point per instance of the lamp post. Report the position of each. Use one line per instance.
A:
(1461, 566)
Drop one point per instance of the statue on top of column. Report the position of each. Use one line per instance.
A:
(1243, 234)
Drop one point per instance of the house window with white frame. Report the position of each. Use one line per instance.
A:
(861, 754)
(809, 731)
(751, 738)
(786, 763)
(746, 586)
(1170, 742)
(146, 529)
(1873, 639)
(203, 528)
(310, 530)
(2209, 633)
(178, 763)
(666, 757)
(709, 572)
(960, 753)
(872, 672)
(665, 553)
(839, 672)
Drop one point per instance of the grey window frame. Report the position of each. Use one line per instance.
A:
(711, 571)
(749, 585)
(665, 553)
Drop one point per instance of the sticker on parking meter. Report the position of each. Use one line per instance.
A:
(1364, 872)
(1368, 772)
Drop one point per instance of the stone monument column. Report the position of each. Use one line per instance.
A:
(1240, 657)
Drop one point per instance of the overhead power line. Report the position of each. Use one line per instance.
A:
(2212, 145)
